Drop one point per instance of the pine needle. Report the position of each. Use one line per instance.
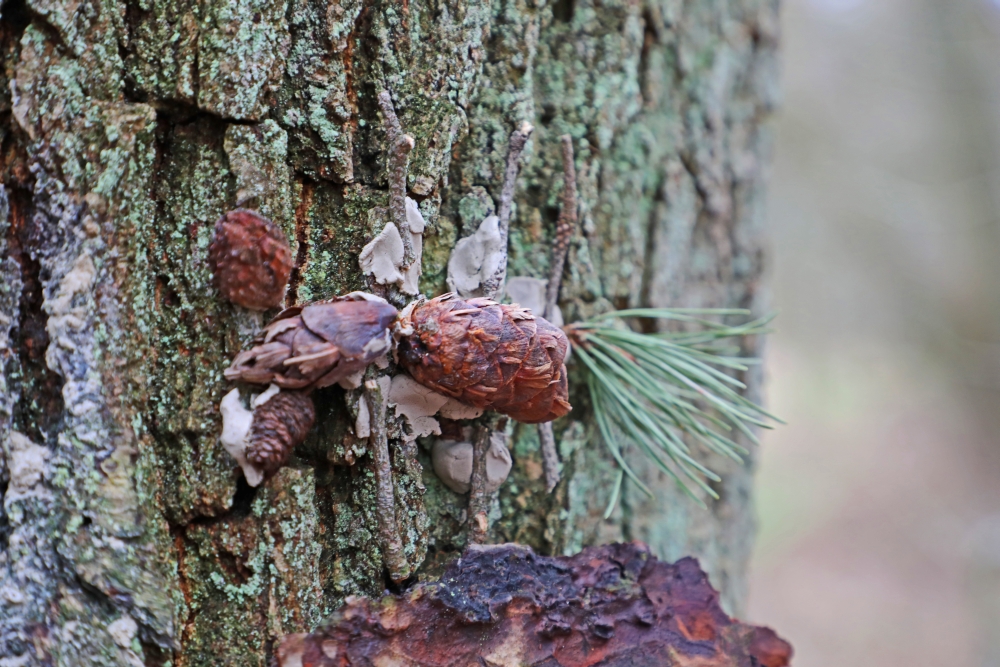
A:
(658, 392)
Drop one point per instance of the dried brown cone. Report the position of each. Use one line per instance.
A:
(277, 427)
(308, 347)
(487, 355)
(251, 259)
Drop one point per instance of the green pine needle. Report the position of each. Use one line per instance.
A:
(654, 391)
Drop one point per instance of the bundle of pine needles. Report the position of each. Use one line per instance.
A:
(660, 391)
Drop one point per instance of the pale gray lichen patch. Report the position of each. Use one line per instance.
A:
(26, 465)
(228, 58)
(80, 549)
(254, 576)
(258, 157)
(315, 103)
(123, 631)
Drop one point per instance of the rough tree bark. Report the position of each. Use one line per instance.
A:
(128, 536)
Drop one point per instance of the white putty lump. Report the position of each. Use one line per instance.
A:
(236, 423)
(530, 293)
(452, 461)
(383, 256)
(475, 259)
(418, 405)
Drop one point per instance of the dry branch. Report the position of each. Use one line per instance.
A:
(494, 284)
(392, 545)
(400, 146)
(565, 227)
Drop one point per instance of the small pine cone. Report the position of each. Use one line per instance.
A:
(277, 427)
(308, 347)
(251, 259)
(488, 355)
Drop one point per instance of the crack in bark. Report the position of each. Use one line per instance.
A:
(302, 239)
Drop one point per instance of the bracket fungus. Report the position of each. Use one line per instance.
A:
(614, 605)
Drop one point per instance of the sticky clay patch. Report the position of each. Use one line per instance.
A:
(383, 256)
(475, 259)
(452, 462)
(418, 405)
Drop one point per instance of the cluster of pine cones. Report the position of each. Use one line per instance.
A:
(482, 353)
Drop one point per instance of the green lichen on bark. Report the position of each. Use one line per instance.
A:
(226, 58)
(129, 129)
(252, 576)
(81, 554)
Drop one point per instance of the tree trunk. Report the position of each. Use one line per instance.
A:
(128, 535)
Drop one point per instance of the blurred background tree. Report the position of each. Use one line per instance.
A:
(879, 503)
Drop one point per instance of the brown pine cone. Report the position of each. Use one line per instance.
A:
(488, 355)
(308, 347)
(251, 259)
(277, 427)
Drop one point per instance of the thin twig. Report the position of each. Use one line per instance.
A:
(400, 146)
(494, 284)
(479, 499)
(385, 503)
(565, 227)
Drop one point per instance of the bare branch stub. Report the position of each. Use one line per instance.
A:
(400, 146)
(392, 545)
(504, 605)
(494, 284)
(550, 456)
(479, 497)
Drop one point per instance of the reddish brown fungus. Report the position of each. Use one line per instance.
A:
(613, 606)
